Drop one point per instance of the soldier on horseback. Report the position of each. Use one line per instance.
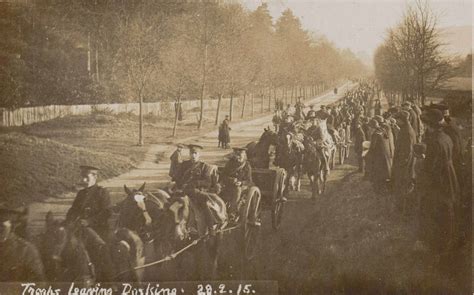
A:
(237, 178)
(20, 260)
(92, 207)
(89, 215)
(194, 180)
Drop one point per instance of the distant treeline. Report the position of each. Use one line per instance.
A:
(103, 51)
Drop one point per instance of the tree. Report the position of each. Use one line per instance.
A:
(142, 34)
(413, 52)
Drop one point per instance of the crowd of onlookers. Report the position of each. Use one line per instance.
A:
(417, 155)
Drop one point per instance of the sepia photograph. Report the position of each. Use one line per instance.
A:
(163, 147)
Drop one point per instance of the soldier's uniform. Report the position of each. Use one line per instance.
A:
(311, 114)
(234, 171)
(20, 261)
(92, 204)
(176, 160)
(195, 181)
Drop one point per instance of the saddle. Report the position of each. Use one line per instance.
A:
(184, 206)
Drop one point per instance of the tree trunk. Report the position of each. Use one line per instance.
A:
(219, 99)
(175, 124)
(261, 105)
(203, 87)
(140, 132)
(231, 107)
(89, 54)
(253, 103)
(97, 62)
(243, 105)
(269, 99)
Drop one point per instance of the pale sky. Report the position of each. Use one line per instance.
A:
(360, 25)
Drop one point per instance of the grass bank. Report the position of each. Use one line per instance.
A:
(354, 241)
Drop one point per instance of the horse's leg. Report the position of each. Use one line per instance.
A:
(298, 180)
(213, 249)
(292, 182)
(314, 186)
(323, 181)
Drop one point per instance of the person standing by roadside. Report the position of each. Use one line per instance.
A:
(359, 138)
(440, 187)
(176, 160)
(224, 133)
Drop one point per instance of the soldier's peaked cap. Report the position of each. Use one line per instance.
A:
(439, 106)
(239, 149)
(88, 168)
(195, 147)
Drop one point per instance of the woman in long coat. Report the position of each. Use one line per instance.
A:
(403, 171)
(224, 133)
(379, 162)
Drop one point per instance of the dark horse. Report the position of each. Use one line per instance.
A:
(67, 258)
(314, 167)
(290, 156)
(171, 223)
(259, 152)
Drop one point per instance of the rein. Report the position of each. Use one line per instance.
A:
(177, 253)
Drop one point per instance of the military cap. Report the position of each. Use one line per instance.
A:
(394, 110)
(439, 106)
(403, 114)
(180, 145)
(88, 168)
(406, 104)
(373, 123)
(379, 118)
(239, 149)
(433, 117)
(195, 147)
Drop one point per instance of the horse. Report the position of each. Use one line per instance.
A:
(290, 157)
(277, 119)
(258, 152)
(299, 113)
(314, 167)
(320, 153)
(67, 257)
(171, 223)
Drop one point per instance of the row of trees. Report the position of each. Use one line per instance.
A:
(411, 61)
(82, 51)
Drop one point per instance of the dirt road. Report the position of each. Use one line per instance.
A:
(156, 174)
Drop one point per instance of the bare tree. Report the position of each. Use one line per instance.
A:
(413, 51)
(142, 35)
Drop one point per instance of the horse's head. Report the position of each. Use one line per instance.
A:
(269, 137)
(140, 209)
(179, 209)
(55, 239)
(64, 256)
